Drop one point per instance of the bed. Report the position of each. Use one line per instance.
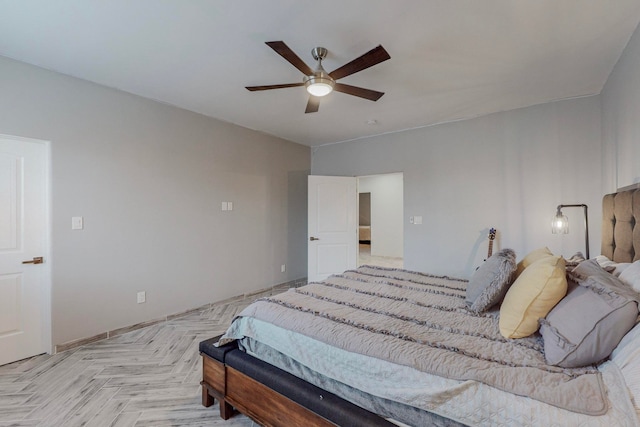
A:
(428, 350)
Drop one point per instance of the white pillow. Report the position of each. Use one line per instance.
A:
(615, 268)
(627, 357)
(604, 261)
(620, 267)
(631, 276)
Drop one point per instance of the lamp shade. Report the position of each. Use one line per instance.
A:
(560, 224)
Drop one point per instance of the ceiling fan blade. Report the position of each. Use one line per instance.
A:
(372, 95)
(369, 59)
(283, 50)
(268, 87)
(313, 104)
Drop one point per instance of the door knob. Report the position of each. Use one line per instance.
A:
(35, 260)
(313, 238)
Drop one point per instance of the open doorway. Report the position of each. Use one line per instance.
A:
(380, 232)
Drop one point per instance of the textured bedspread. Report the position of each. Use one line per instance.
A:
(420, 321)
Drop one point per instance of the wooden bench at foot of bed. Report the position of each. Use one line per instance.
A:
(271, 396)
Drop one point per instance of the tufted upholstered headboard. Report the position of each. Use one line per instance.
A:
(621, 226)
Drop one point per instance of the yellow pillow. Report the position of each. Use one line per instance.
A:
(538, 289)
(531, 257)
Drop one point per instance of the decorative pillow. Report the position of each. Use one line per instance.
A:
(603, 261)
(531, 257)
(590, 268)
(575, 259)
(540, 286)
(588, 323)
(615, 268)
(631, 276)
(488, 285)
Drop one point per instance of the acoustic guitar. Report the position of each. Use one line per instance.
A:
(492, 236)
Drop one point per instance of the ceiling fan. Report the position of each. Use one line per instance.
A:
(320, 83)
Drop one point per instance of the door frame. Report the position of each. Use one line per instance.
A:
(46, 345)
(400, 224)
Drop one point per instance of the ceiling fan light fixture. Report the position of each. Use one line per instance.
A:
(320, 82)
(319, 85)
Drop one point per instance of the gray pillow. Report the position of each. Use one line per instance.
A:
(489, 284)
(587, 324)
(591, 268)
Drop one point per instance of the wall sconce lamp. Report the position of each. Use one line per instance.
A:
(560, 224)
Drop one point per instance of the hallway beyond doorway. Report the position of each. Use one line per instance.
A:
(365, 258)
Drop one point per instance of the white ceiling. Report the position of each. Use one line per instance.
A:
(450, 59)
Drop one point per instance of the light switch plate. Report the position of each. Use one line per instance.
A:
(77, 223)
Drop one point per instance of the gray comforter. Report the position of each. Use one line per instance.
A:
(421, 321)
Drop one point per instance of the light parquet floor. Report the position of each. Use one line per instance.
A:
(148, 377)
(365, 258)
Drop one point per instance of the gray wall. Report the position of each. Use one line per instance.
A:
(621, 119)
(507, 170)
(149, 180)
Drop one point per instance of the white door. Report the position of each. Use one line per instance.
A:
(22, 239)
(333, 229)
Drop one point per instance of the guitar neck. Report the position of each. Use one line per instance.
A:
(490, 250)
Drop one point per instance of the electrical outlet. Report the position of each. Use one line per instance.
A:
(142, 297)
(283, 268)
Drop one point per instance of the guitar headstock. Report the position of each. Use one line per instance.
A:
(492, 234)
